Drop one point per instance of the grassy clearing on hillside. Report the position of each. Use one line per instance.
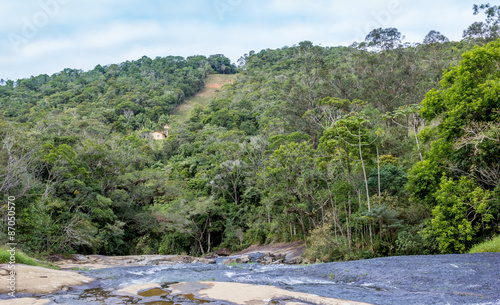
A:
(213, 84)
(21, 258)
(492, 245)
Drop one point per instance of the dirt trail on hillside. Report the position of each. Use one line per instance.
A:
(213, 85)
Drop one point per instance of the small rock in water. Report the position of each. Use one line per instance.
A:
(79, 258)
(293, 261)
(211, 256)
(267, 259)
(244, 259)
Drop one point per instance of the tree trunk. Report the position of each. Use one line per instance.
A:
(378, 170)
(209, 236)
(371, 238)
(201, 246)
(416, 139)
(364, 172)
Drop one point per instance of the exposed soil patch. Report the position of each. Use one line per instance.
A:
(213, 85)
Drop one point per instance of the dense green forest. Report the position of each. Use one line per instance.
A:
(379, 148)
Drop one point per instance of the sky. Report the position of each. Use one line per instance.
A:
(47, 36)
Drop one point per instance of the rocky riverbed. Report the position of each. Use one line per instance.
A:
(440, 279)
(102, 262)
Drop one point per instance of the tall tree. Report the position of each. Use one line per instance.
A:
(384, 39)
(487, 30)
(435, 37)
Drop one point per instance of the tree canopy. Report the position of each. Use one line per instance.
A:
(359, 151)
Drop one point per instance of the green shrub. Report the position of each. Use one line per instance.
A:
(410, 242)
(21, 258)
(323, 246)
(392, 179)
(492, 245)
(464, 213)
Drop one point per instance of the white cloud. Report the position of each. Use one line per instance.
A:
(114, 35)
(83, 34)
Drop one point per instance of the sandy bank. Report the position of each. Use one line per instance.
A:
(39, 280)
(246, 294)
(24, 301)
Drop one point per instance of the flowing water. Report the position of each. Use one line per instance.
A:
(440, 279)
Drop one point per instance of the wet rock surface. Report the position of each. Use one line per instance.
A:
(439, 279)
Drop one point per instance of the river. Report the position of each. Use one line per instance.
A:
(439, 279)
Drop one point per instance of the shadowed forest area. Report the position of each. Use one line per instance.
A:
(380, 148)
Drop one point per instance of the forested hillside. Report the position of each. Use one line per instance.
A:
(310, 143)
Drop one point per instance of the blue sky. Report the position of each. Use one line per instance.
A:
(46, 36)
